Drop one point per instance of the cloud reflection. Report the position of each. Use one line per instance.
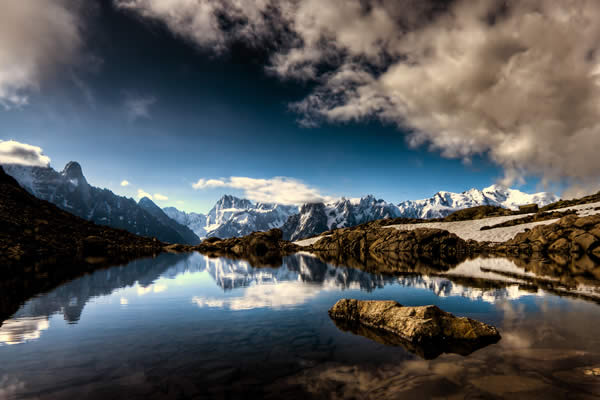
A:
(20, 330)
(279, 295)
(155, 288)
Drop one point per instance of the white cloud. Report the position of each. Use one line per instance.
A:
(141, 193)
(124, 183)
(13, 152)
(37, 40)
(516, 81)
(137, 106)
(208, 183)
(160, 197)
(275, 190)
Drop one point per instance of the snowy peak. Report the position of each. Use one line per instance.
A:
(444, 203)
(232, 217)
(317, 218)
(232, 202)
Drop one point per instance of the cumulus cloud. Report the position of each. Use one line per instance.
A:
(280, 190)
(160, 197)
(124, 183)
(141, 193)
(516, 81)
(13, 152)
(137, 106)
(37, 39)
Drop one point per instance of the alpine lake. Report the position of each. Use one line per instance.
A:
(186, 326)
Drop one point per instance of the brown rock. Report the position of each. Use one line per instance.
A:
(586, 222)
(562, 245)
(260, 248)
(586, 241)
(415, 324)
(595, 231)
(529, 208)
(567, 221)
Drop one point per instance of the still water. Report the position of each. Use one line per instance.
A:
(187, 326)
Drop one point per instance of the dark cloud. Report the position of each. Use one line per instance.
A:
(13, 152)
(36, 39)
(517, 81)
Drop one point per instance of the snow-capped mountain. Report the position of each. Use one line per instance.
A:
(319, 217)
(445, 203)
(232, 217)
(70, 191)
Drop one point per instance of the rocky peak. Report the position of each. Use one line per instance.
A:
(145, 202)
(73, 173)
(229, 201)
(310, 208)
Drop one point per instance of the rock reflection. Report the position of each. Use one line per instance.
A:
(428, 351)
(543, 354)
(504, 277)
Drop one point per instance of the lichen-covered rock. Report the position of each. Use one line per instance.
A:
(426, 324)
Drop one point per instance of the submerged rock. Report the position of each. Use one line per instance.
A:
(426, 330)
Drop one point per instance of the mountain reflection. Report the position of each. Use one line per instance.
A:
(299, 278)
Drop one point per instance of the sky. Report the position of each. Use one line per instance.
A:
(298, 101)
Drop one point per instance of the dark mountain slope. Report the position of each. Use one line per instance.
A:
(70, 191)
(188, 237)
(34, 232)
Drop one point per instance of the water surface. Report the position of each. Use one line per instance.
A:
(187, 326)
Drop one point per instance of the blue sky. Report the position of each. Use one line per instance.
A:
(159, 110)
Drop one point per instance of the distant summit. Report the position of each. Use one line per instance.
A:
(186, 233)
(233, 217)
(443, 203)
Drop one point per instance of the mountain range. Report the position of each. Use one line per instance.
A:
(70, 191)
(232, 216)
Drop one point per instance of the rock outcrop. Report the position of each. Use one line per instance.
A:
(366, 241)
(428, 327)
(571, 236)
(259, 248)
